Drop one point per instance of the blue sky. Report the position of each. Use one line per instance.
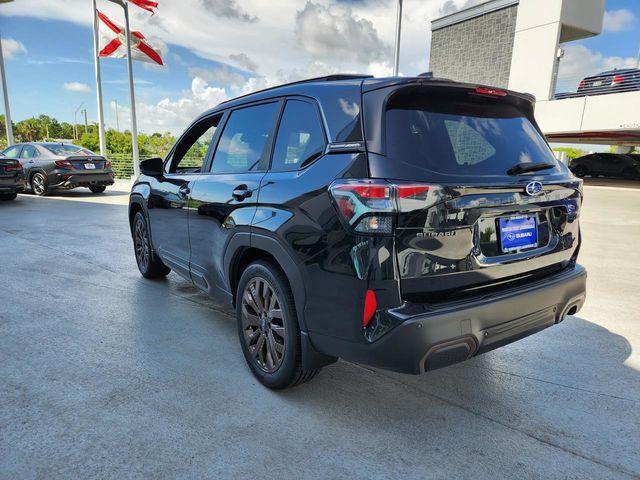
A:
(219, 48)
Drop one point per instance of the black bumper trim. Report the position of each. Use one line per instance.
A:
(490, 322)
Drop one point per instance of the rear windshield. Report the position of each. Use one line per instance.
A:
(462, 138)
(66, 150)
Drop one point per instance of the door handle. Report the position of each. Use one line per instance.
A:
(184, 190)
(241, 192)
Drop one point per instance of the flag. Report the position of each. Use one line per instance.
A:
(113, 43)
(147, 5)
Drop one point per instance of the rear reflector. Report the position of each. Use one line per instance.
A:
(493, 92)
(370, 307)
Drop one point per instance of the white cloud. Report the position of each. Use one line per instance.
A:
(174, 115)
(329, 32)
(77, 87)
(12, 48)
(579, 62)
(618, 20)
(244, 61)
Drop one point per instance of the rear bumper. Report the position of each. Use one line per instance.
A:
(80, 180)
(12, 186)
(431, 337)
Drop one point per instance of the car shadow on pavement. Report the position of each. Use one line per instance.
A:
(566, 389)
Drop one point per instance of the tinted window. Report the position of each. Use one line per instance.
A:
(29, 151)
(67, 150)
(12, 152)
(191, 150)
(244, 143)
(458, 137)
(300, 139)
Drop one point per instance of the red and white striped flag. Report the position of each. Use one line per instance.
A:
(113, 42)
(147, 5)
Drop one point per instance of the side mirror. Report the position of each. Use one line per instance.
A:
(152, 167)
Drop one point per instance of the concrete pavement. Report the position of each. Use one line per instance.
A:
(106, 375)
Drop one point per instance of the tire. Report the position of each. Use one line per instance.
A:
(630, 173)
(580, 171)
(97, 188)
(39, 185)
(8, 196)
(149, 263)
(270, 341)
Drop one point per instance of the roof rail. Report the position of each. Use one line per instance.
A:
(328, 78)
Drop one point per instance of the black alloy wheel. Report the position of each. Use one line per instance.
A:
(268, 327)
(263, 324)
(149, 264)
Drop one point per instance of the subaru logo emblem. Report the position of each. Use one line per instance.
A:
(533, 188)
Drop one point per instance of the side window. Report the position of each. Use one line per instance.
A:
(29, 151)
(244, 144)
(12, 152)
(190, 152)
(300, 138)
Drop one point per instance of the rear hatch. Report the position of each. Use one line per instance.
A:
(87, 163)
(475, 227)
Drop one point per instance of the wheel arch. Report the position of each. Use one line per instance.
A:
(245, 248)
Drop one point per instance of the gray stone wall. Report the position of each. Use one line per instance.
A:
(477, 50)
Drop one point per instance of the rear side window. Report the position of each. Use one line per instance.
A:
(245, 141)
(29, 151)
(300, 137)
(462, 137)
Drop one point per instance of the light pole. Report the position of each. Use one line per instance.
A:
(75, 121)
(117, 118)
(396, 62)
(7, 110)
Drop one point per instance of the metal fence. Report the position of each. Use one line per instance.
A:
(122, 164)
(614, 81)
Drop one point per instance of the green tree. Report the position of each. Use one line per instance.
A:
(29, 130)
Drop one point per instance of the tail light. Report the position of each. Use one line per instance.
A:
(64, 164)
(617, 80)
(581, 84)
(13, 167)
(371, 206)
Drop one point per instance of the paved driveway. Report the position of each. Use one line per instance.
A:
(106, 375)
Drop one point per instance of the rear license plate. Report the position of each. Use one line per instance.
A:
(89, 166)
(598, 83)
(517, 233)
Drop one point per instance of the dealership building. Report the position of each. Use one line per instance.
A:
(517, 44)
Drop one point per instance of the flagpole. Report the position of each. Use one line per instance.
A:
(96, 48)
(7, 112)
(396, 60)
(134, 125)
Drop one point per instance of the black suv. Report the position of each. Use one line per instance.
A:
(405, 223)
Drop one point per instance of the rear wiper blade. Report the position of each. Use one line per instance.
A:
(529, 167)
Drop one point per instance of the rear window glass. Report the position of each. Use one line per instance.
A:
(65, 150)
(462, 138)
